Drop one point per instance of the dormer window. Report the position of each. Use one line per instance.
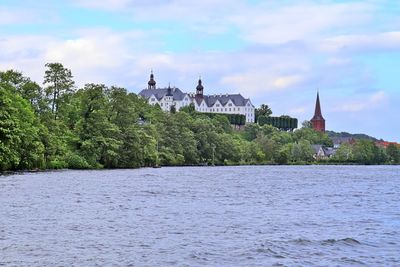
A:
(230, 104)
(152, 99)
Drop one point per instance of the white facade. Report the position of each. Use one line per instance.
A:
(222, 104)
(229, 107)
(165, 102)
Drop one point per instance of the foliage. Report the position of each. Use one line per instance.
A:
(264, 111)
(234, 119)
(59, 81)
(108, 127)
(284, 123)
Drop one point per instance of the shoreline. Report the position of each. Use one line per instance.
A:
(9, 172)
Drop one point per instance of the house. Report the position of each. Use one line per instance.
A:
(222, 103)
(321, 152)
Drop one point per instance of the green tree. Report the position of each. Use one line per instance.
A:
(393, 152)
(98, 137)
(363, 151)
(344, 153)
(306, 124)
(59, 81)
(20, 146)
(263, 110)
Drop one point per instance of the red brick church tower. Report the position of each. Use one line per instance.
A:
(318, 122)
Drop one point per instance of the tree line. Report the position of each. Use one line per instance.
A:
(56, 125)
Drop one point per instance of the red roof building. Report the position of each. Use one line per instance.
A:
(318, 122)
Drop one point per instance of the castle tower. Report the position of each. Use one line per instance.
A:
(318, 122)
(152, 82)
(199, 89)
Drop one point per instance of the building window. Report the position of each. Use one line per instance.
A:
(153, 99)
(217, 105)
(230, 109)
(230, 104)
(162, 104)
(226, 109)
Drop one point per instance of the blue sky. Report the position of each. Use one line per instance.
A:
(275, 52)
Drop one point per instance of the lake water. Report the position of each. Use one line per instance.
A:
(203, 216)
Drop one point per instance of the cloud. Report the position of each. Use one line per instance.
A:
(363, 103)
(302, 21)
(256, 82)
(298, 111)
(10, 16)
(384, 41)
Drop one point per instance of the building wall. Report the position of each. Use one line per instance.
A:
(318, 125)
(230, 108)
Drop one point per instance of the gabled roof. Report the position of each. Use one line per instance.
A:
(329, 151)
(237, 99)
(159, 93)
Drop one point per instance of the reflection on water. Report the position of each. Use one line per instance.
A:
(205, 216)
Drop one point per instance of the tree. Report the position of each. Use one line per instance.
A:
(59, 81)
(28, 89)
(306, 124)
(363, 151)
(172, 109)
(98, 137)
(393, 152)
(264, 110)
(20, 146)
(344, 153)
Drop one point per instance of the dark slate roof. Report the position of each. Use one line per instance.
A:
(161, 92)
(237, 99)
(329, 151)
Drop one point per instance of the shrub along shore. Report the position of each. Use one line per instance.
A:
(58, 126)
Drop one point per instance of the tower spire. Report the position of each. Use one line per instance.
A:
(318, 112)
(318, 121)
(152, 83)
(199, 88)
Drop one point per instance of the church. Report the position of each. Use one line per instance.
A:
(174, 97)
(318, 121)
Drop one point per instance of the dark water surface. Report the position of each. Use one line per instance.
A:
(205, 216)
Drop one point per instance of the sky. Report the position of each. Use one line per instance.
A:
(278, 53)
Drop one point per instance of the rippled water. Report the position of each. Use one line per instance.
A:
(205, 216)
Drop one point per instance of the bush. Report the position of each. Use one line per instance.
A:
(75, 161)
(57, 164)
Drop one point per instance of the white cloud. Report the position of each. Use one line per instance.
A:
(362, 42)
(258, 82)
(10, 16)
(302, 21)
(363, 103)
(298, 111)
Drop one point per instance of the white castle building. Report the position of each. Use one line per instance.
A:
(222, 103)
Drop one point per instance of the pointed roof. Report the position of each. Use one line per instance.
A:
(317, 113)
(199, 85)
(152, 82)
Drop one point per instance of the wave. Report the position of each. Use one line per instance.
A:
(346, 241)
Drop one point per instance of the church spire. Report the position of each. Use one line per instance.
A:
(318, 113)
(318, 121)
(152, 83)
